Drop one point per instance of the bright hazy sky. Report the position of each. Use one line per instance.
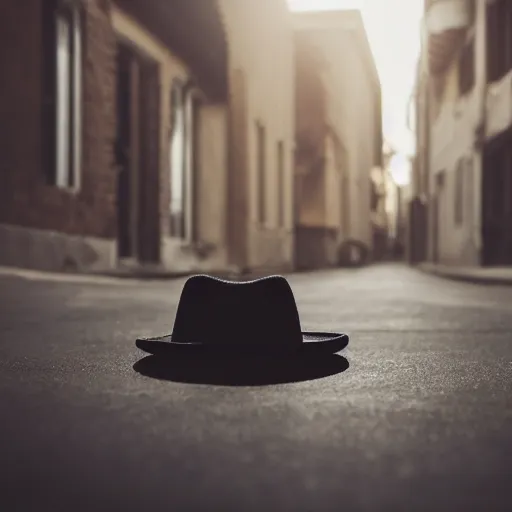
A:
(393, 31)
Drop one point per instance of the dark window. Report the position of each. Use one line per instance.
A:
(499, 39)
(62, 46)
(177, 162)
(261, 149)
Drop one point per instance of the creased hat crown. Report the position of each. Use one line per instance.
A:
(214, 311)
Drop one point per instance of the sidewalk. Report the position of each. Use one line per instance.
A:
(110, 276)
(151, 271)
(477, 275)
(140, 273)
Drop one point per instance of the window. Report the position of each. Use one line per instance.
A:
(184, 161)
(177, 159)
(62, 101)
(459, 193)
(280, 182)
(261, 155)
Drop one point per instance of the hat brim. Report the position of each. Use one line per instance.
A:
(313, 343)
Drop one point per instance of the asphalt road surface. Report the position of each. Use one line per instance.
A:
(416, 415)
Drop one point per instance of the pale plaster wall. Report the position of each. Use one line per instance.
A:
(452, 139)
(213, 175)
(351, 112)
(260, 44)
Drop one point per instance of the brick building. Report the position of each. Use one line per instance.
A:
(104, 106)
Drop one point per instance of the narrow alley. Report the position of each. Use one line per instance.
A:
(415, 415)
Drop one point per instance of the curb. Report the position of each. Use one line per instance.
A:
(115, 275)
(142, 275)
(466, 278)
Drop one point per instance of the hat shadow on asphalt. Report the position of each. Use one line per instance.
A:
(240, 334)
(241, 371)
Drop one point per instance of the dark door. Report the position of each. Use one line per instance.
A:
(435, 229)
(497, 204)
(123, 152)
(148, 221)
(138, 156)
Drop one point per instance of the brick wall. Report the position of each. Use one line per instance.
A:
(25, 199)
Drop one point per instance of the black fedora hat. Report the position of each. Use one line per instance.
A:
(257, 317)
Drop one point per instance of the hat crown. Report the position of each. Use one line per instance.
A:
(215, 311)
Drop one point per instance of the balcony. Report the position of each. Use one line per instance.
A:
(447, 22)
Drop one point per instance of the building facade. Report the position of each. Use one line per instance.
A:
(261, 124)
(57, 176)
(338, 135)
(462, 170)
(113, 122)
(131, 143)
(172, 166)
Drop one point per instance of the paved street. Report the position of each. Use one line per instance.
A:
(417, 417)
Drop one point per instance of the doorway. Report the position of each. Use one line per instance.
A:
(137, 156)
(497, 202)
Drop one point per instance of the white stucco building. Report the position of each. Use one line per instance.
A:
(464, 104)
(338, 132)
(261, 132)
